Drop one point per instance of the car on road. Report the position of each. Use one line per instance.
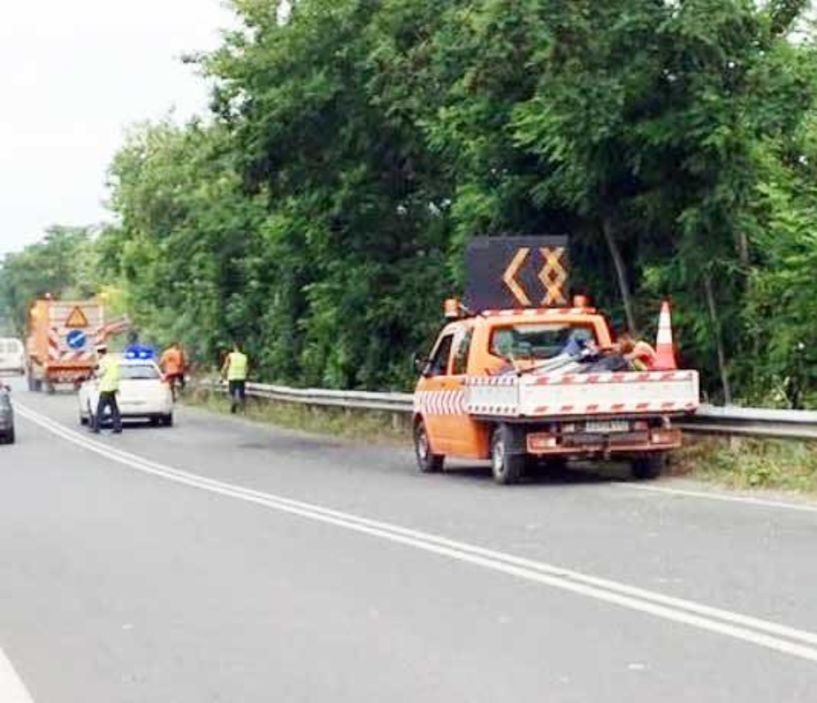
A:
(12, 356)
(143, 394)
(6, 417)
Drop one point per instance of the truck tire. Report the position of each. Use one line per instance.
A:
(506, 468)
(648, 466)
(167, 420)
(427, 462)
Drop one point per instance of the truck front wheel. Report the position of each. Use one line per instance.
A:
(506, 468)
(649, 465)
(427, 461)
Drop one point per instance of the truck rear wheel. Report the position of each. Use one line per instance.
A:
(427, 462)
(506, 468)
(648, 466)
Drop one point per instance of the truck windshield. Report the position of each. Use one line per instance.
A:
(540, 340)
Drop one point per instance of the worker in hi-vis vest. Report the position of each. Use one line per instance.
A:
(108, 374)
(235, 371)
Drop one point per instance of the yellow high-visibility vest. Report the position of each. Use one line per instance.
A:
(237, 366)
(109, 374)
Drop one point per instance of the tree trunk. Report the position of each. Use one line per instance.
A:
(743, 249)
(621, 273)
(716, 329)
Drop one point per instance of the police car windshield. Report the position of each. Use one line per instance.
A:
(540, 340)
(139, 372)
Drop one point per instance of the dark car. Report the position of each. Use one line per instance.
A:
(6, 417)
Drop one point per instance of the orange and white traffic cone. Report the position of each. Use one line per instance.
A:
(664, 349)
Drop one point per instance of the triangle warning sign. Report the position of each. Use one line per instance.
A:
(76, 319)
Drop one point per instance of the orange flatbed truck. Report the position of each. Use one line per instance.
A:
(489, 390)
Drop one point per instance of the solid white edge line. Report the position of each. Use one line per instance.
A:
(680, 610)
(12, 689)
(724, 498)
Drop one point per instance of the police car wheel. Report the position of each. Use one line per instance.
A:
(426, 460)
(506, 468)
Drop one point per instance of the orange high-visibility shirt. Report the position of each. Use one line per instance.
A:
(172, 362)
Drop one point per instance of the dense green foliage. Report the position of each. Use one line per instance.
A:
(64, 264)
(321, 212)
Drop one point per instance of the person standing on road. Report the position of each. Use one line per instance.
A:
(173, 365)
(235, 371)
(108, 373)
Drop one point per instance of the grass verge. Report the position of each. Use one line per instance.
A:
(744, 463)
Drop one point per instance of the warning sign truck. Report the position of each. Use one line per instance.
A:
(62, 336)
(538, 378)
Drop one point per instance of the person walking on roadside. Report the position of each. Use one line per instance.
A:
(108, 374)
(234, 371)
(173, 365)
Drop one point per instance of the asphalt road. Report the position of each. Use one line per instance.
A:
(221, 560)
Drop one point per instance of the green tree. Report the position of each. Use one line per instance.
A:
(63, 264)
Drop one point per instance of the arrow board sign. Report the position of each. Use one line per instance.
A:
(516, 272)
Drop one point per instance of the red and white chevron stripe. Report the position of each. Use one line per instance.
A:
(637, 377)
(443, 402)
(614, 408)
(538, 312)
(53, 344)
(490, 380)
(492, 409)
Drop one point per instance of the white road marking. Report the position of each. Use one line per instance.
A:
(723, 497)
(763, 633)
(12, 689)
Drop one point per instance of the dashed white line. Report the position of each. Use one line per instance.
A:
(756, 631)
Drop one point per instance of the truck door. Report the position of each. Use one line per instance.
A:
(432, 393)
(462, 434)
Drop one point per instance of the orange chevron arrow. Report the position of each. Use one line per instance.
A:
(509, 277)
(553, 276)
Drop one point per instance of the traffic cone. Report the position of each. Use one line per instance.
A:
(664, 349)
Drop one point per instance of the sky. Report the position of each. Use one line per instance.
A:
(75, 74)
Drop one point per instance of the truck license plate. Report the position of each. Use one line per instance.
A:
(607, 426)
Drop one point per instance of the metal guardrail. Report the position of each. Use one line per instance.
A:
(710, 419)
(752, 422)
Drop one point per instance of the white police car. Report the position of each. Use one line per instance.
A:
(143, 394)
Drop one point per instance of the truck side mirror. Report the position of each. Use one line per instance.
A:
(420, 363)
